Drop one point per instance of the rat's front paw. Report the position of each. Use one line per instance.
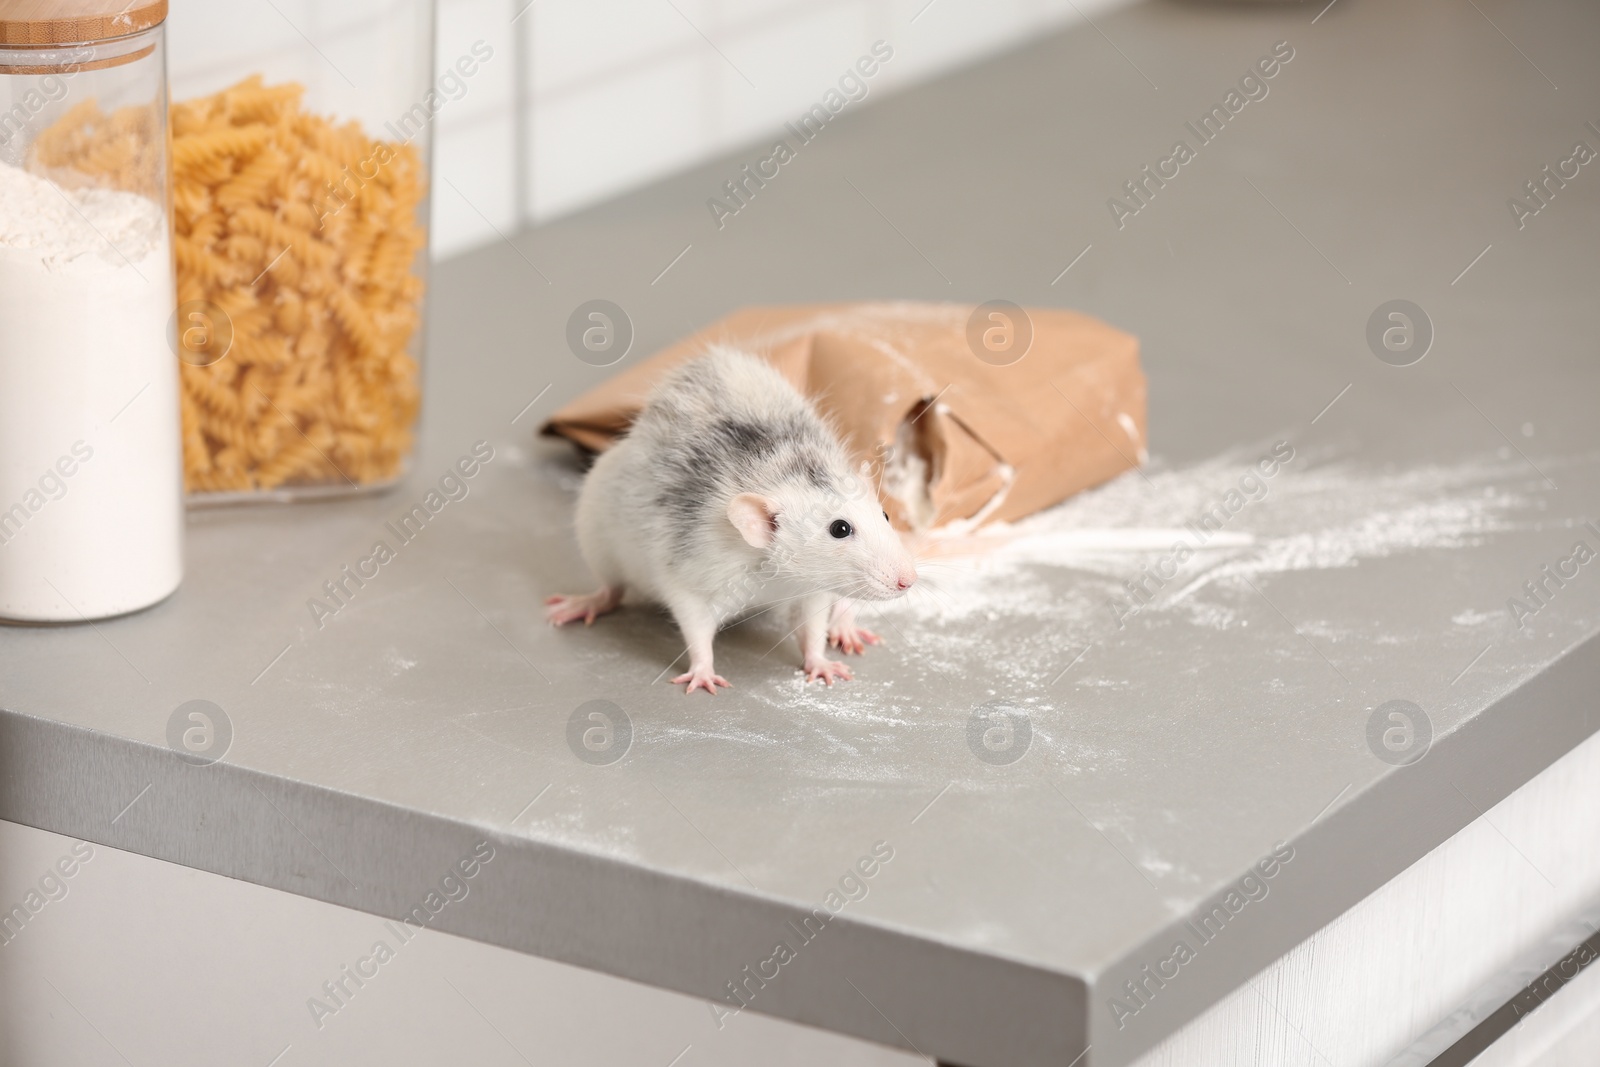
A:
(852, 640)
(701, 678)
(826, 671)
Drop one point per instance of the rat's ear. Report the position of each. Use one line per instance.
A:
(755, 517)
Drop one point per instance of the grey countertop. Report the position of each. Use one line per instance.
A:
(1164, 757)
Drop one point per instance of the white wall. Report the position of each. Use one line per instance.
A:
(585, 99)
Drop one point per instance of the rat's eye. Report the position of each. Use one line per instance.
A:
(885, 516)
(841, 529)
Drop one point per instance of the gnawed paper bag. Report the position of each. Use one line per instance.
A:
(953, 440)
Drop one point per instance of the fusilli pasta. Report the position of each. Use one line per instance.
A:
(305, 234)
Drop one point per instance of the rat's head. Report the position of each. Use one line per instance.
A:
(833, 540)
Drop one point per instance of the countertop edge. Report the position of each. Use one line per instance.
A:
(598, 912)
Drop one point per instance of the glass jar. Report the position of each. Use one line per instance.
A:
(300, 148)
(91, 515)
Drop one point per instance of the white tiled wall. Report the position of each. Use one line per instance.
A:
(584, 99)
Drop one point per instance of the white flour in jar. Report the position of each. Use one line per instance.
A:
(91, 505)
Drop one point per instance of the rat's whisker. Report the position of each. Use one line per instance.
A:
(934, 593)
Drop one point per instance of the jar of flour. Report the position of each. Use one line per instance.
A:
(91, 507)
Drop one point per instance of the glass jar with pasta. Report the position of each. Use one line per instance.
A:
(300, 152)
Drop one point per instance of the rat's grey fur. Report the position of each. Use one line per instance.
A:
(719, 426)
(666, 513)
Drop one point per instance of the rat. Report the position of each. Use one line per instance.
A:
(730, 494)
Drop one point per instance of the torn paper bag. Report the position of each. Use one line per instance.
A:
(964, 415)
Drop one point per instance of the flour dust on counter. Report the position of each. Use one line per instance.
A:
(1186, 550)
(1167, 538)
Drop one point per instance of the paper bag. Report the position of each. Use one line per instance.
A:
(963, 415)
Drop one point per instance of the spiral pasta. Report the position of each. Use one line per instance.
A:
(304, 234)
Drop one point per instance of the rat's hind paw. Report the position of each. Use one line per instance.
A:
(701, 679)
(851, 639)
(826, 671)
(561, 609)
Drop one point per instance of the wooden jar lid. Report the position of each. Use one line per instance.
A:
(51, 23)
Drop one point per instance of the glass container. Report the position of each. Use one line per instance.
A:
(91, 515)
(300, 152)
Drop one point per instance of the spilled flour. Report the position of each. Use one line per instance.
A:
(1165, 536)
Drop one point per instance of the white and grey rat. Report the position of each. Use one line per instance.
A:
(729, 494)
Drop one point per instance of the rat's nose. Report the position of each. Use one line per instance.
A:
(907, 579)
